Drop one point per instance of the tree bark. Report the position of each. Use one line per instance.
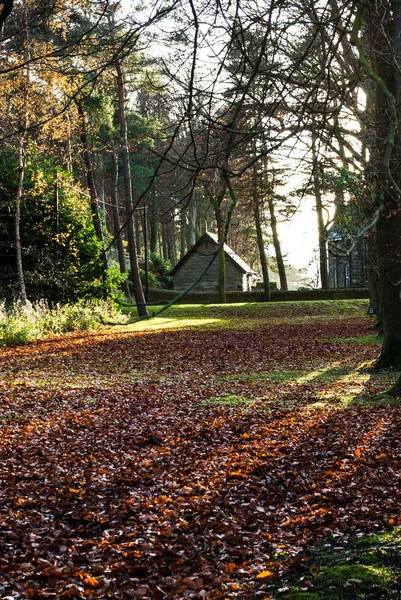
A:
(221, 257)
(154, 229)
(277, 246)
(388, 229)
(17, 221)
(192, 221)
(135, 275)
(137, 221)
(321, 227)
(183, 233)
(259, 235)
(171, 245)
(116, 216)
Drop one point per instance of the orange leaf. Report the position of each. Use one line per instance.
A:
(230, 568)
(92, 581)
(266, 575)
(381, 456)
(358, 452)
(391, 522)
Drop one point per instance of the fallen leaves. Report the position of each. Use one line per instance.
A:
(128, 485)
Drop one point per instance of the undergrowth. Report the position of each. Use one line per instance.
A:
(21, 324)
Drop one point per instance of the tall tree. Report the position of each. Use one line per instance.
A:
(128, 197)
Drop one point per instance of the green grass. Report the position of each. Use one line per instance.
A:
(318, 376)
(363, 339)
(366, 567)
(227, 400)
(249, 315)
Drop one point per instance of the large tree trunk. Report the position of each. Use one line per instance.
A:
(97, 223)
(389, 253)
(135, 276)
(388, 229)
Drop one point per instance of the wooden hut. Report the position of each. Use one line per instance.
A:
(239, 275)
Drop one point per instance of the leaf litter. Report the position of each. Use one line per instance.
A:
(120, 480)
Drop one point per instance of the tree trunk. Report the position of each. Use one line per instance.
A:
(97, 223)
(153, 225)
(21, 163)
(137, 221)
(116, 216)
(164, 239)
(17, 221)
(192, 221)
(171, 245)
(277, 246)
(102, 201)
(374, 281)
(183, 233)
(135, 276)
(221, 258)
(388, 229)
(259, 235)
(322, 230)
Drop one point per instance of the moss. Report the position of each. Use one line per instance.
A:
(367, 567)
(339, 575)
(298, 595)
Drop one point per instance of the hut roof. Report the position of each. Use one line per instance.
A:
(230, 254)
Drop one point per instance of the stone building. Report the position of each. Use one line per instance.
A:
(239, 275)
(348, 260)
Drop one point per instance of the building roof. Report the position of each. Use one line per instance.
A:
(230, 254)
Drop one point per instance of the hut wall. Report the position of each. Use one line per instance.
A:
(192, 268)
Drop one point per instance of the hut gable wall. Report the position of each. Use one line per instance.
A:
(190, 270)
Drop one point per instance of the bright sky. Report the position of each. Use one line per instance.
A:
(299, 236)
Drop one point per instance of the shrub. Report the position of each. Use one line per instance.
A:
(20, 324)
(158, 272)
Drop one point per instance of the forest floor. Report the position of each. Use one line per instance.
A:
(232, 451)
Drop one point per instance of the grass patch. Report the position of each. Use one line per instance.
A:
(366, 567)
(250, 315)
(265, 375)
(364, 339)
(228, 400)
(300, 377)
